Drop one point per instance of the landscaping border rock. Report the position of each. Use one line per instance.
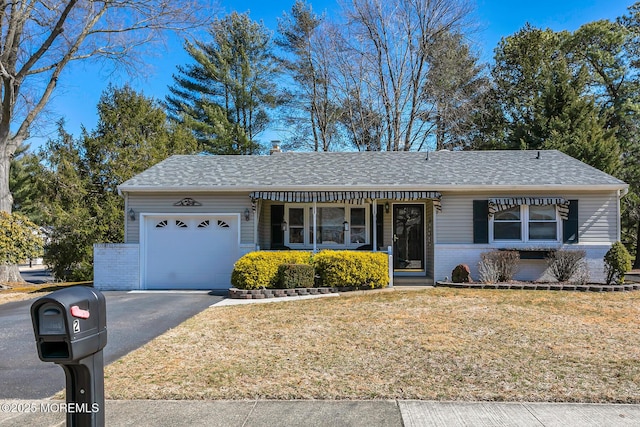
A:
(236, 293)
(544, 286)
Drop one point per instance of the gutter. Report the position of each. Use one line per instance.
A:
(441, 188)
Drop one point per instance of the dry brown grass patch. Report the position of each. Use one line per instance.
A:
(442, 344)
(26, 291)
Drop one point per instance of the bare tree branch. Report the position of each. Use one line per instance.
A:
(39, 38)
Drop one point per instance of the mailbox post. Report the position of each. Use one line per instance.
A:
(70, 328)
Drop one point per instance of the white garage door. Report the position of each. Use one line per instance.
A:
(190, 252)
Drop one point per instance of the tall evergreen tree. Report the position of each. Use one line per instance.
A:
(23, 179)
(455, 88)
(81, 175)
(235, 73)
(66, 190)
(523, 68)
(542, 100)
(629, 115)
(570, 122)
(313, 105)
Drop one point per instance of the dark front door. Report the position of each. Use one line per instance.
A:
(408, 237)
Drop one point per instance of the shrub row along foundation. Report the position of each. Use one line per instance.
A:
(300, 269)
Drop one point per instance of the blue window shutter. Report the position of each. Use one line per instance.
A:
(480, 221)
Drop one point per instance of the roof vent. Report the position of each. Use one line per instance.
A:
(275, 147)
(538, 156)
(427, 156)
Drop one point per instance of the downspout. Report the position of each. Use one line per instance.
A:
(621, 194)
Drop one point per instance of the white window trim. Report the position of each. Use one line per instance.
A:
(524, 229)
(308, 223)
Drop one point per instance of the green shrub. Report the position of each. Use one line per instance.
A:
(498, 266)
(259, 269)
(617, 262)
(350, 268)
(295, 276)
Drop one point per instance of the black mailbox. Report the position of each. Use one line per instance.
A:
(69, 324)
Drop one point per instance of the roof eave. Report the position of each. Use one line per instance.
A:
(442, 188)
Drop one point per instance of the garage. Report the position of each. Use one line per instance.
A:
(189, 251)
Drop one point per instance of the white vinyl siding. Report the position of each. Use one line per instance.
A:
(219, 203)
(455, 222)
(598, 218)
(598, 215)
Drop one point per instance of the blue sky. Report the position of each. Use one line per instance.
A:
(81, 85)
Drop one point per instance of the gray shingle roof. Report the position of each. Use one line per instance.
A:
(444, 170)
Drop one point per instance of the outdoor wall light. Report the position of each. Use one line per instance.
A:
(345, 225)
(284, 226)
(132, 214)
(247, 214)
(386, 207)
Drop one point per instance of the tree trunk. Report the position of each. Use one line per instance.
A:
(6, 200)
(636, 263)
(10, 274)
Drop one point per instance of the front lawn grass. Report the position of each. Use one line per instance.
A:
(436, 344)
(26, 291)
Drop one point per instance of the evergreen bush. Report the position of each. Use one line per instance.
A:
(295, 276)
(259, 269)
(352, 269)
(617, 262)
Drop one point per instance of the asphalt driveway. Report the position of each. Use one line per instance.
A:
(133, 319)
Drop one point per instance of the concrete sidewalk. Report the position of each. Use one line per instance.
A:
(372, 413)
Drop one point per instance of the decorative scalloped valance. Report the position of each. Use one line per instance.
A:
(504, 203)
(358, 197)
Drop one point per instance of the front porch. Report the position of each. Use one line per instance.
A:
(400, 222)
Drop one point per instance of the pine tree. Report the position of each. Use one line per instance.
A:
(25, 168)
(313, 110)
(234, 73)
(455, 87)
(81, 176)
(543, 100)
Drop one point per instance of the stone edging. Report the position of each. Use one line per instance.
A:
(544, 286)
(278, 293)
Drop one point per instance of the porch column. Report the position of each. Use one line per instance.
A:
(375, 227)
(256, 214)
(390, 258)
(315, 228)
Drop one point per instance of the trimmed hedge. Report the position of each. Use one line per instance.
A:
(274, 269)
(292, 276)
(260, 269)
(617, 262)
(351, 268)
